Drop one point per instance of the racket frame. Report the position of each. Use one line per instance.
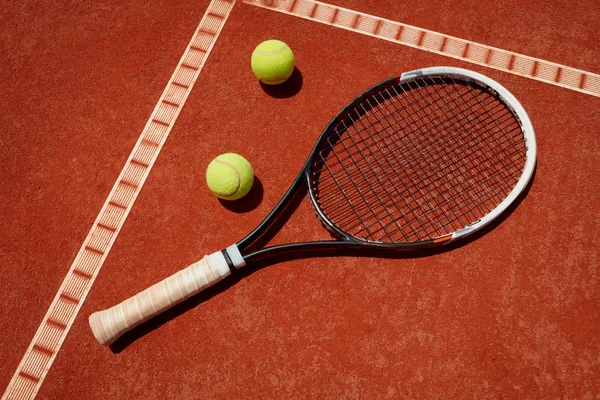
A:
(110, 324)
(233, 254)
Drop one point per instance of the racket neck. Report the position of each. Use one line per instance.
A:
(278, 216)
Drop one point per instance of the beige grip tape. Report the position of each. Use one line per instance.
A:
(110, 324)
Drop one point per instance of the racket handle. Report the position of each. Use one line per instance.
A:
(110, 324)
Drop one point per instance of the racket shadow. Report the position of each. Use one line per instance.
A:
(142, 330)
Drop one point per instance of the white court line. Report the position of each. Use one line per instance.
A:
(439, 43)
(59, 318)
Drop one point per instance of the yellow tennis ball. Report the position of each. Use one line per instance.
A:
(272, 62)
(229, 176)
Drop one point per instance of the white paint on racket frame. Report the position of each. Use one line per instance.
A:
(526, 126)
(236, 257)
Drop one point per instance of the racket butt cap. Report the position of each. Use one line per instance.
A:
(98, 331)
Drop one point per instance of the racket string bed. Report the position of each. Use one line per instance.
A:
(384, 185)
(394, 166)
(379, 223)
(475, 152)
(429, 221)
(419, 160)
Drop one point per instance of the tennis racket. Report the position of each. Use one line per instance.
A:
(416, 161)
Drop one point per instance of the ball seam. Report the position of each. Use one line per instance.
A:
(270, 52)
(239, 177)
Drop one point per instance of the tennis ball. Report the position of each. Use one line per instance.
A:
(272, 62)
(229, 176)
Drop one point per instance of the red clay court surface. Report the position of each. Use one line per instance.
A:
(513, 314)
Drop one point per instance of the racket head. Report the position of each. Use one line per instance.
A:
(421, 160)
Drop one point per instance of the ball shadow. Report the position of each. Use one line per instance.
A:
(287, 89)
(247, 203)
